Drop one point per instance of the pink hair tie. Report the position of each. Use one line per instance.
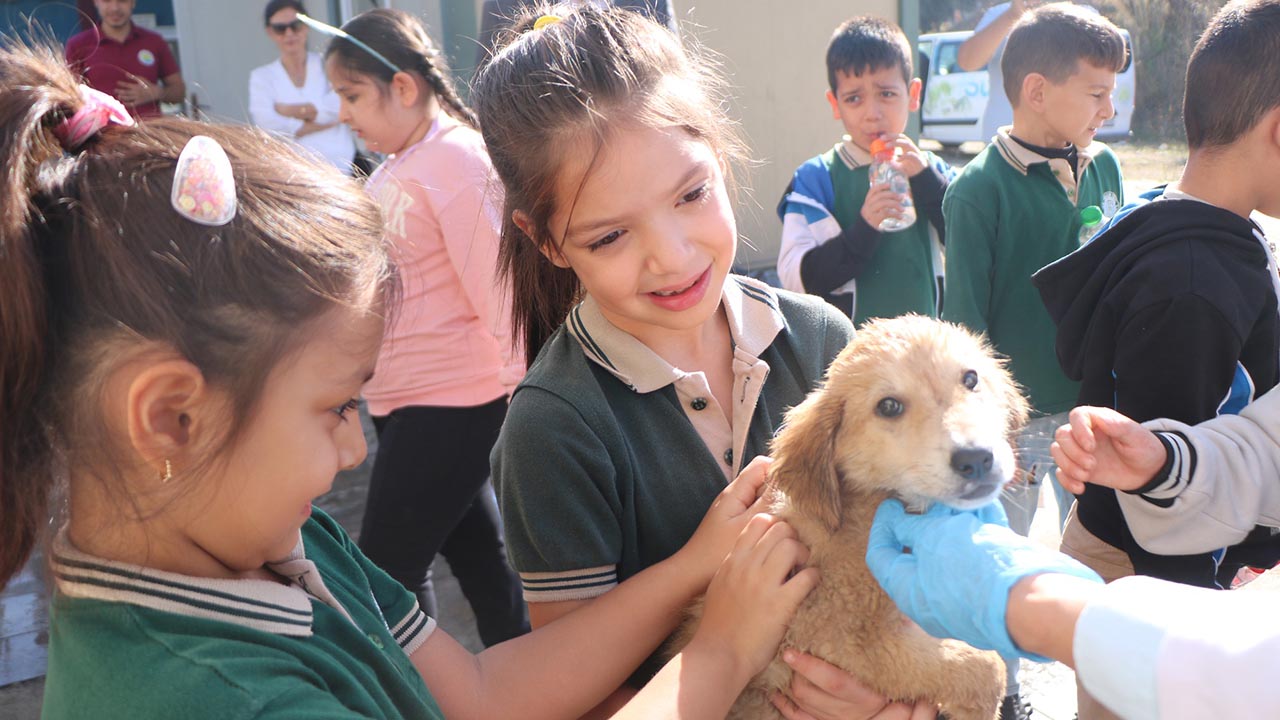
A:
(99, 110)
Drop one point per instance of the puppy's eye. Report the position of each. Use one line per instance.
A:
(970, 379)
(889, 407)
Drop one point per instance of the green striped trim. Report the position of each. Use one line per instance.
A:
(757, 294)
(260, 605)
(589, 343)
(141, 580)
(1007, 153)
(214, 608)
(572, 585)
(413, 630)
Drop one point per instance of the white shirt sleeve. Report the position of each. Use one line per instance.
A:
(1225, 480)
(1154, 650)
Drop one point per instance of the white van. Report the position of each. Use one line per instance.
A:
(954, 99)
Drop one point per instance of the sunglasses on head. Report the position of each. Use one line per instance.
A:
(282, 28)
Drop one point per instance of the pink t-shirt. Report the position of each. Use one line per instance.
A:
(449, 345)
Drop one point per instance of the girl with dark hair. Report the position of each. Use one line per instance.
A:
(188, 311)
(655, 374)
(291, 96)
(448, 362)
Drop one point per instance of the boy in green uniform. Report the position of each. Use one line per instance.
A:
(1017, 207)
(831, 246)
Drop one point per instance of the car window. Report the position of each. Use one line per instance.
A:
(947, 64)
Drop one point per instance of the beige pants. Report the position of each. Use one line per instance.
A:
(1111, 563)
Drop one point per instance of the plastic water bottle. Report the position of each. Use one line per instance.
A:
(1090, 223)
(885, 172)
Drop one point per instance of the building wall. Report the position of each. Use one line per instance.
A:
(774, 54)
(774, 59)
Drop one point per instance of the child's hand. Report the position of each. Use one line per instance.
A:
(822, 691)
(1103, 447)
(753, 595)
(726, 518)
(881, 204)
(911, 159)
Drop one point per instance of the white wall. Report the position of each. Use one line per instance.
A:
(220, 42)
(775, 55)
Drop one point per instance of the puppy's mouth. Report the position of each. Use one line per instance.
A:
(975, 493)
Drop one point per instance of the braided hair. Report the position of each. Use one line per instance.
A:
(402, 39)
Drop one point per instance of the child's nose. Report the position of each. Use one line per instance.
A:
(352, 448)
(669, 251)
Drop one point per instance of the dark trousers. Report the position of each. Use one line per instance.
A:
(429, 494)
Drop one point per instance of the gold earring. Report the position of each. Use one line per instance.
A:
(167, 475)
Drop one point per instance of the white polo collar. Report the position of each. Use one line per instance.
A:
(1022, 158)
(256, 604)
(852, 155)
(754, 321)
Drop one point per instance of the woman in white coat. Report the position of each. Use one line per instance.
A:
(292, 97)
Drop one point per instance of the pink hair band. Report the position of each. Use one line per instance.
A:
(99, 110)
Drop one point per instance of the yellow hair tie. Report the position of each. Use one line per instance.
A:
(546, 20)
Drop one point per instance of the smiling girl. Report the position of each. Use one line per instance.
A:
(656, 374)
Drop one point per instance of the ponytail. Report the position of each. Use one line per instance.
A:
(542, 293)
(38, 93)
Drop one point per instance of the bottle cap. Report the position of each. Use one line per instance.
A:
(1091, 215)
(878, 147)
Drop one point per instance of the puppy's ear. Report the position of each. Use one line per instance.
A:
(804, 462)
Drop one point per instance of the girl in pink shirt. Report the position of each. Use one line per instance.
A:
(439, 393)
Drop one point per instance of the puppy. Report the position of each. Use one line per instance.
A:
(914, 409)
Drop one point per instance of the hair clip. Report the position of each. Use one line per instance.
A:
(99, 110)
(204, 190)
(328, 29)
(546, 20)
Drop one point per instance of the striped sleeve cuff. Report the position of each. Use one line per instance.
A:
(413, 630)
(1175, 476)
(581, 584)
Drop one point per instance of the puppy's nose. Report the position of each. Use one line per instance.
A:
(972, 463)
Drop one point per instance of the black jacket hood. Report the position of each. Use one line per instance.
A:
(1081, 290)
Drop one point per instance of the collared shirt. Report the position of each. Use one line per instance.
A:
(105, 63)
(753, 324)
(1022, 157)
(332, 637)
(607, 460)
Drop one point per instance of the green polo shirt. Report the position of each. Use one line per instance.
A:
(609, 457)
(331, 640)
(900, 278)
(1011, 212)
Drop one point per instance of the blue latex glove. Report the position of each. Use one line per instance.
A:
(955, 582)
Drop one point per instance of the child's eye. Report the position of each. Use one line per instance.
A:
(853, 99)
(604, 241)
(696, 194)
(888, 94)
(342, 410)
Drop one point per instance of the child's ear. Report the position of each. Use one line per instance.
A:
(404, 87)
(913, 92)
(835, 105)
(548, 250)
(1033, 86)
(168, 408)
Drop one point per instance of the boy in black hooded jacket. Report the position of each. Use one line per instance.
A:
(1172, 310)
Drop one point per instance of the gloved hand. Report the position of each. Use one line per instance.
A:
(955, 582)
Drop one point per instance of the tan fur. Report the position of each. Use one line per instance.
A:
(835, 459)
